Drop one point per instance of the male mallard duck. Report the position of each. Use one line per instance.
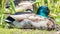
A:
(40, 20)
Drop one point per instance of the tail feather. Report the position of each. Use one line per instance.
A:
(9, 20)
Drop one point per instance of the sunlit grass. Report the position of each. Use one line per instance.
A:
(24, 31)
(2, 10)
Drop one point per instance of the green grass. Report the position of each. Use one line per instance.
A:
(25, 31)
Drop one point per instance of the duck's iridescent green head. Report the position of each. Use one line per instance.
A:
(43, 11)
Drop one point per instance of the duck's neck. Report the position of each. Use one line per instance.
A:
(43, 15)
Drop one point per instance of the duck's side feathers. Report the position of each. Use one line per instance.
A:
(51, 24)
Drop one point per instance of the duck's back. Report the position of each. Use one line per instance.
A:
(19, 13)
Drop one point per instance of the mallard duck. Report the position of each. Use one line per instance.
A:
(21, 5)
(24, 5)
(39, 20)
